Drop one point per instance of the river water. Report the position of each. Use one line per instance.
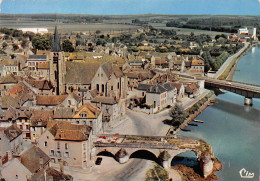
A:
(232, 128)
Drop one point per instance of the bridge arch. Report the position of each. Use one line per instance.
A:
(144, 154)
(188, 158)
(106, 153)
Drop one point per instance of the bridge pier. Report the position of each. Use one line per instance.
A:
(165, 159)
(248, 101)
(122, 156)
(206, 166)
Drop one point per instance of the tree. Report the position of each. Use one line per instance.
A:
(178, 115)
(4, 45)
(41, 42)
(67, 46)
(15, 46)
(24, 43)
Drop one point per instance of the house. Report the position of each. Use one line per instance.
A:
(7, 82)
(112, 111)
(197, 65)
(171, 94)
(192, 90)
(155, 96)
(10, 69)
(67, 142)
(39, 87)
(11, 142)
(180, 89)
(70, 100)
(26, 165)
(38, 122)
(90, 115)
(23, 123)
(34, 60)
(135, 77)
(18, 96)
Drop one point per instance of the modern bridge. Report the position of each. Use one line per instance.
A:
(249, 91)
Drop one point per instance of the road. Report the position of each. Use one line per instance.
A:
(145, 125)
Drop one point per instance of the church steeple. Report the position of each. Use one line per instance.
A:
(55, 47)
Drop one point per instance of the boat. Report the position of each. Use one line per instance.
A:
(198, 121)
(192, 124)
(183, 129)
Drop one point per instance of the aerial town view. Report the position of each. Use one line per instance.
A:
(127, 90)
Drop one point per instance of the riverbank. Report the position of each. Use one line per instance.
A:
(225, 69)
(196, 113)
(234, 66)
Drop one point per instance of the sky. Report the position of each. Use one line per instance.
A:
(123, 7)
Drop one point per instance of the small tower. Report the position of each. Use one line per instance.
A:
(57, 65)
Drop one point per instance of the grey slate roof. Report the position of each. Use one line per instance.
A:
(37, 57)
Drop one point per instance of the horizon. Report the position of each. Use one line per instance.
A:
(131, 7)
(128, 14)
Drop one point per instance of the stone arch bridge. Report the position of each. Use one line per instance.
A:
(164, 148)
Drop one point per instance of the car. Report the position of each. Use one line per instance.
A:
(98, 161)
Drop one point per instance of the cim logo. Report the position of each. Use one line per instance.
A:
(246, 174)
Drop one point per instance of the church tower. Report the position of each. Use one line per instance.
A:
(57, 65)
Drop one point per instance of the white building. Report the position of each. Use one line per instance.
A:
(35, 30)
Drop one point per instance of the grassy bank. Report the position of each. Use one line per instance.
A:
(230, 69)
(195, 110)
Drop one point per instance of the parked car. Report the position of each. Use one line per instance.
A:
(98, 161)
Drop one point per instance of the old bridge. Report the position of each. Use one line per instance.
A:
(164, 148)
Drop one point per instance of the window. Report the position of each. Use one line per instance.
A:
(103, 88)
(21, 126)
(111, 87)
(69, 102)
(53, 160)
(58, 145)
(67, 154)
(97, 87)
(52, 153)
(47, 137)
(84, 146)
(58, 153)
(66, 146)
(45, 144)
(118, 85)
(27, 126)
(84, 114)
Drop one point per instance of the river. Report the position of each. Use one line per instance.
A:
(232, 128)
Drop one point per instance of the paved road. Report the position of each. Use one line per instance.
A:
(145, 125)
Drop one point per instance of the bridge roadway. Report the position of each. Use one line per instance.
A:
(249, 91)
(150, 142)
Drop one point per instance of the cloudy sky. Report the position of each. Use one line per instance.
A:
(237, 7)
